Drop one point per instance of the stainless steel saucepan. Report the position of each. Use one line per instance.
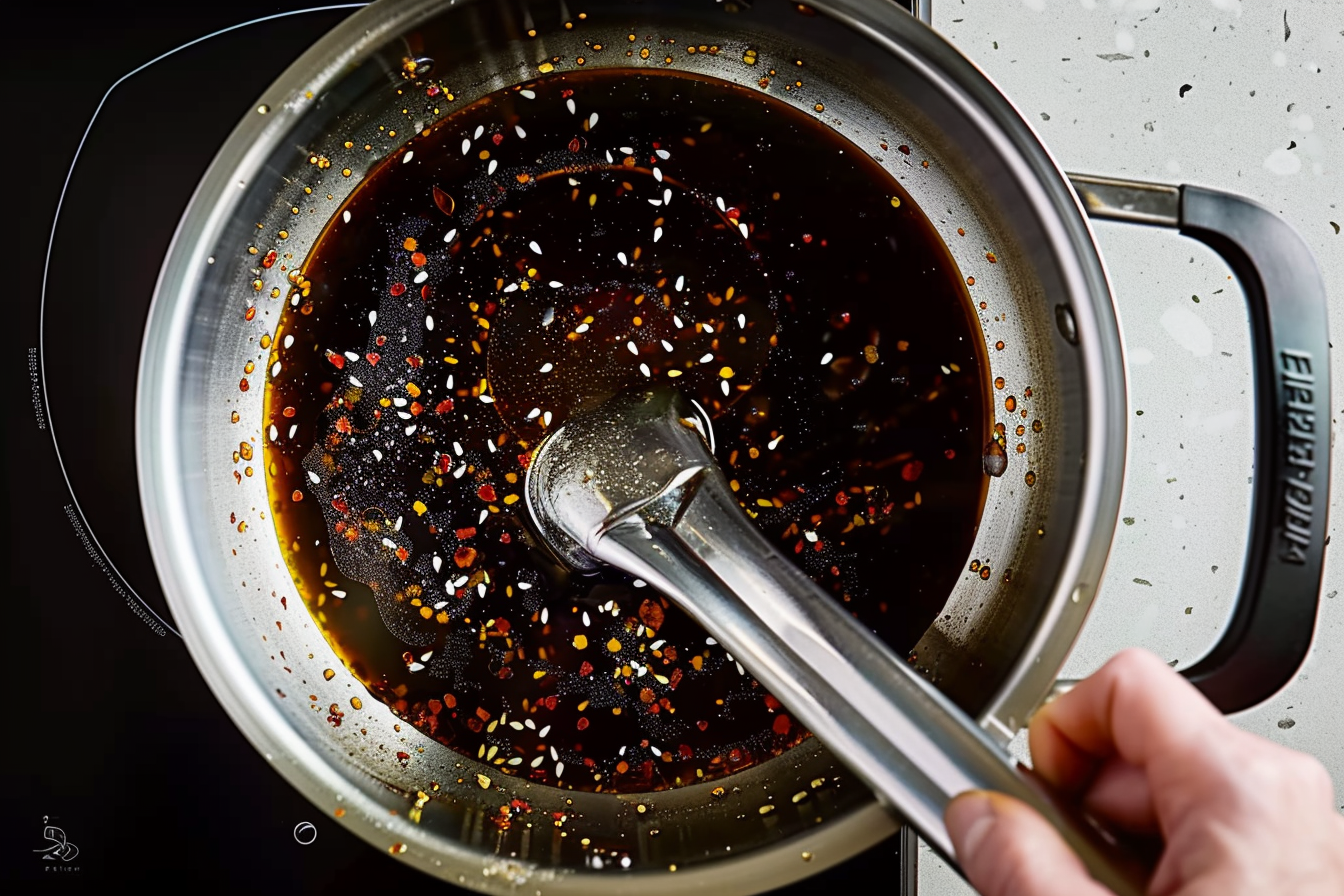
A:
(996, 650)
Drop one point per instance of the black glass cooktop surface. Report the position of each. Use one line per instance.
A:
(122, 766)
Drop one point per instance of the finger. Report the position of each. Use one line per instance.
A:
(1007, 849)
(1135, 707)
(1122, 795)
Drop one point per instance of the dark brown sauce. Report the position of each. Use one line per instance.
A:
(530, 259)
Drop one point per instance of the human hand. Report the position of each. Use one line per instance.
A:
(1144, 751)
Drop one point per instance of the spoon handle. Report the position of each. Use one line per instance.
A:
(660, 509)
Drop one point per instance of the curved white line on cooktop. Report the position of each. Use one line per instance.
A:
(158, 625)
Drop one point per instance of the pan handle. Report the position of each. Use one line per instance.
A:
(1273, 620)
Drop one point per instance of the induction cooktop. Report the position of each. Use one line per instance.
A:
(123, 767)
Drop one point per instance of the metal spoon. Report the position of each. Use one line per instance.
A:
(632, 484)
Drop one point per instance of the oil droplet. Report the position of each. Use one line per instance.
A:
(328, 674)
(356, 703)
(995, 459)
(1030, 477)
(807, 856)
(263, 109)
(1036, 426)
(985, 573)
(397, 849)
(998, 382)
(1010, 403)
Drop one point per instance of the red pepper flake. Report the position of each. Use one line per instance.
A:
(466, 533)
(449, 701)
(402, 554)
(464, 556)
(505, 538)
(397, 289)
(486, 492)
(550, 701)
(339, 504)
(414, 360)
(525, 460)
(586, 668)
(373, 358)
(949, 454)
(674, 679)
(781, 725)
(905, 150)
(337, 360)
(416, 408)
(482, 713)
(288, 412)
(502, 626)
(250, 313)
(426, 292)
(582, 723)
(841, 498)
(445, 463)
(403, 756)
(432, 90)
(379, 340)
(733, 213)
(651, 613)
(435, 706)
(497, 139)
(444, 201)
(343, 425)
(684, 751)
(269, 260)
(566, 93)
(243, 385)
(418, 259)
(910, 472)
(474, 723)
(772, 704)
(991, 258)
(702, 725)
(296, 496)
(807, 237)
(574, 145)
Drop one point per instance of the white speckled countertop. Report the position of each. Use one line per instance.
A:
(1104, 84)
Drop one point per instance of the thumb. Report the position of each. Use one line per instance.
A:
(1005, 848)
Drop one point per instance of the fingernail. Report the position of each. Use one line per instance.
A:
(969, 818)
